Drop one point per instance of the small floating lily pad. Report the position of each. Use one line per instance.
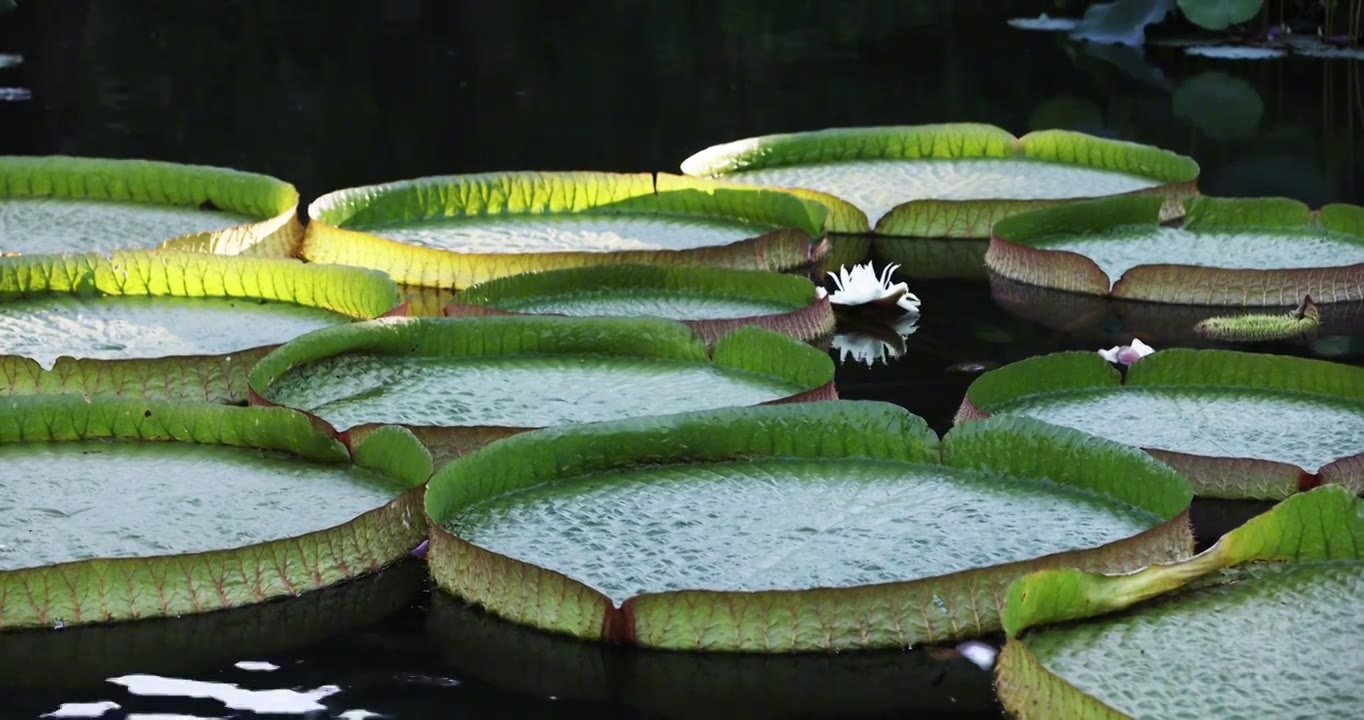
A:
(1252, 252)
(1273, 606)
(74, 204)
(460, 230)
(1108, 321)
(1300, 322)
(1044, 23)
(1219, 14)
(462, 382)
(168, 324)
(1237, 52)
(140, 508)
(712, 301)
(823, 526)
(1239, 425)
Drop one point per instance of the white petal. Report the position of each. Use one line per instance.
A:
(909, 302)
(1142, 348)
(887, 274)
(1110, 354)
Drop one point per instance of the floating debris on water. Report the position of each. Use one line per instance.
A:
(1233, 52)
(1045, 23)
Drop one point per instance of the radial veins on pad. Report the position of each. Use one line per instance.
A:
(80, 500)
(116, 328)
(525, 391)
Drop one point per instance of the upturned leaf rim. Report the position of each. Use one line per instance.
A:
(1014, 254)
(1324, 524)
(355, 293)
(1176, 175)
(102, 590)
(884, 615)
(747, 349)
(810, 316)
(1212, 477)
(787, 230)
(276, 232)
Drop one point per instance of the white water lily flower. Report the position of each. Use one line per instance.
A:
(862, 286)
(1127, 354)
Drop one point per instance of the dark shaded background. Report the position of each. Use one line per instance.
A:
(334, 94)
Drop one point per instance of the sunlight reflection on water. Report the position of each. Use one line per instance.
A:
(233, 697)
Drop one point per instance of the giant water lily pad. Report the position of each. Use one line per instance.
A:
(1239, 425)
(459, 230)
(461, 383)
(822, 526)
(75, 204)
(1252, 252)
(125, 508)
(1219, 14)
(942, 181)
(1263, 624)
(712, 301)
(167, 324)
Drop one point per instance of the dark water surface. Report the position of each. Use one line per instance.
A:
(347, 93)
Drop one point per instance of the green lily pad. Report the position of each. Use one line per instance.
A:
(169, 324)
(1219, 14)
(86, 656)
(120, 502)
(459, 383)
(1145, 634)
(74, 204)
(1239, 425)
(461, 230)
(918, 185)
(1251, 252)
(712, 301)
(824, 526)
(950, 180)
